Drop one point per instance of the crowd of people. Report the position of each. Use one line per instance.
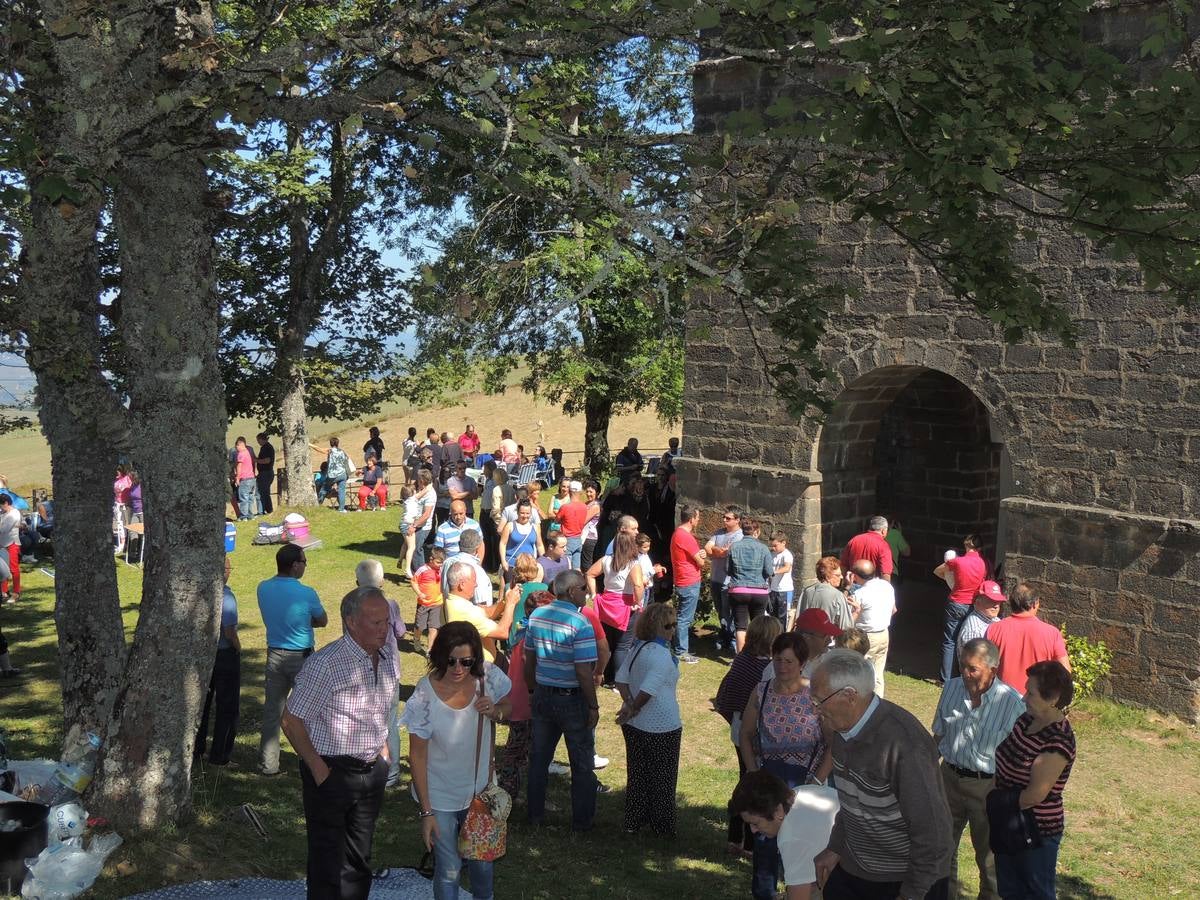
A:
(526, 610)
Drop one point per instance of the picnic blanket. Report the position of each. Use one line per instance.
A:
(397, 884)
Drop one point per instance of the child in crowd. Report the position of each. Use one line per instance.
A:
(428, 585)
(779, 600)
(650, 569)
(412, 512)
(853, 639)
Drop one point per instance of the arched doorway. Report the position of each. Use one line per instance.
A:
(915, 445)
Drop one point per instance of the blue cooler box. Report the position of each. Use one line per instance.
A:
(230, 536)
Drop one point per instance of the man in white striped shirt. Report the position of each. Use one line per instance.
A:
(976, 712)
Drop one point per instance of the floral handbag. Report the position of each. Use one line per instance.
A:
(484, 831)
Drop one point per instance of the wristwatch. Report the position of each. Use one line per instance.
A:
(424, 813)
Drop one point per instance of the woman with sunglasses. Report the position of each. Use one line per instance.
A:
(448, 766)
(649, 719)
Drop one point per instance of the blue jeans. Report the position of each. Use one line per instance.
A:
(574, 549)
(1029, 875)
(778, 604)
(248, 504)
(955, 613)
(724, 612)
(419, 537)
(447, 864)
(562, 715)
(688, 598)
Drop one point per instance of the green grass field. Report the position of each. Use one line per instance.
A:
(1128, 835)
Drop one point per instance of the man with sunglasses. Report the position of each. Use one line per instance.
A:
(717, 550)
(891, 838)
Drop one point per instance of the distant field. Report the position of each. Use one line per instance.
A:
(25, 456)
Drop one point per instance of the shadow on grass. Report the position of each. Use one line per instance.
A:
(551, 861)
(1071, 887)
(388, 545)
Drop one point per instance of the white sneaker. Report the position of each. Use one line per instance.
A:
(599, 762)
(557, 768)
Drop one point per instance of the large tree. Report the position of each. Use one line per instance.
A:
(309, 301)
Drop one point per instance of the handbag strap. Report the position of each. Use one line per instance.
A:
(479, 747)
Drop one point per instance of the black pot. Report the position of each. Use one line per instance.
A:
(27, 841)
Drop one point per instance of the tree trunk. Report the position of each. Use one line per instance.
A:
(294, 421)
(84, 424)
(170, 325)
(597, 412)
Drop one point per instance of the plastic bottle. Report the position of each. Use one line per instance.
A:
(73, 773)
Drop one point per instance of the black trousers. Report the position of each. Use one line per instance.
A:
(339, 816)
(653, 774)
(226, 689)
(844, 886)
(264, 480)
(491, 542)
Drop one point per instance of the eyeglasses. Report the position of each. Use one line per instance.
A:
(729, 518)
(465, 662)
(830, 696)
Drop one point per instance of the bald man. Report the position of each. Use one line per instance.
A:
(450, 532)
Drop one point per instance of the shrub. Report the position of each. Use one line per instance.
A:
(1091, 662)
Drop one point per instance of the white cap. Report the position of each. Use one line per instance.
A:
(575, 486)
(293, 518)
(950, 554)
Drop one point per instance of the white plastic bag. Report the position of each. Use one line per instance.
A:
(67, 820)
(66, 870)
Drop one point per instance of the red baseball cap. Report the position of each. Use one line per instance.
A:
(989, 590)
(817, 621)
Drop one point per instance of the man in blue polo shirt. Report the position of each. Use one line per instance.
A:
(290, 610)
(450, 532)
(560, 664)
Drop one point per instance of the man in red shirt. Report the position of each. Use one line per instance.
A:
(1024, 639)
(468, 441)
(571, 517)
(872, 546)
(965, 574)
(687, 559)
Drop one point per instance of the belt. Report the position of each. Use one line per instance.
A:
(559, 690)
(351, 764)
(306, 651)
(966, 773)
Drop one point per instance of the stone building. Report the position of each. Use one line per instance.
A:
(1080, 467)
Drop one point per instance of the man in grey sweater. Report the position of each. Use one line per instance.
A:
(892, 835)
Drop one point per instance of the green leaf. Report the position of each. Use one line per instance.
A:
(353, 125)
(487, 79)
(427, 141)
(821, 34)
(706, 16)
(486, 127)
(958, 29)
(1064, 112)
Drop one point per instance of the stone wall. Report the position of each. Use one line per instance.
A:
(1091, 453)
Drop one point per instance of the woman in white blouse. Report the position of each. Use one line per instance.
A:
(442, 718)
(649, 719)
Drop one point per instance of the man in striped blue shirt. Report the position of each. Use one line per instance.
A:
(449, 533)
(560, 663)
(976, 712)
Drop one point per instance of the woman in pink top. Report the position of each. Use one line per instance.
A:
(507, 449)
(624, 586)
(122, 485)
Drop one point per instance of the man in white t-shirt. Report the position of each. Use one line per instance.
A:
(875, 603)
(779, 600)
(800, 821)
